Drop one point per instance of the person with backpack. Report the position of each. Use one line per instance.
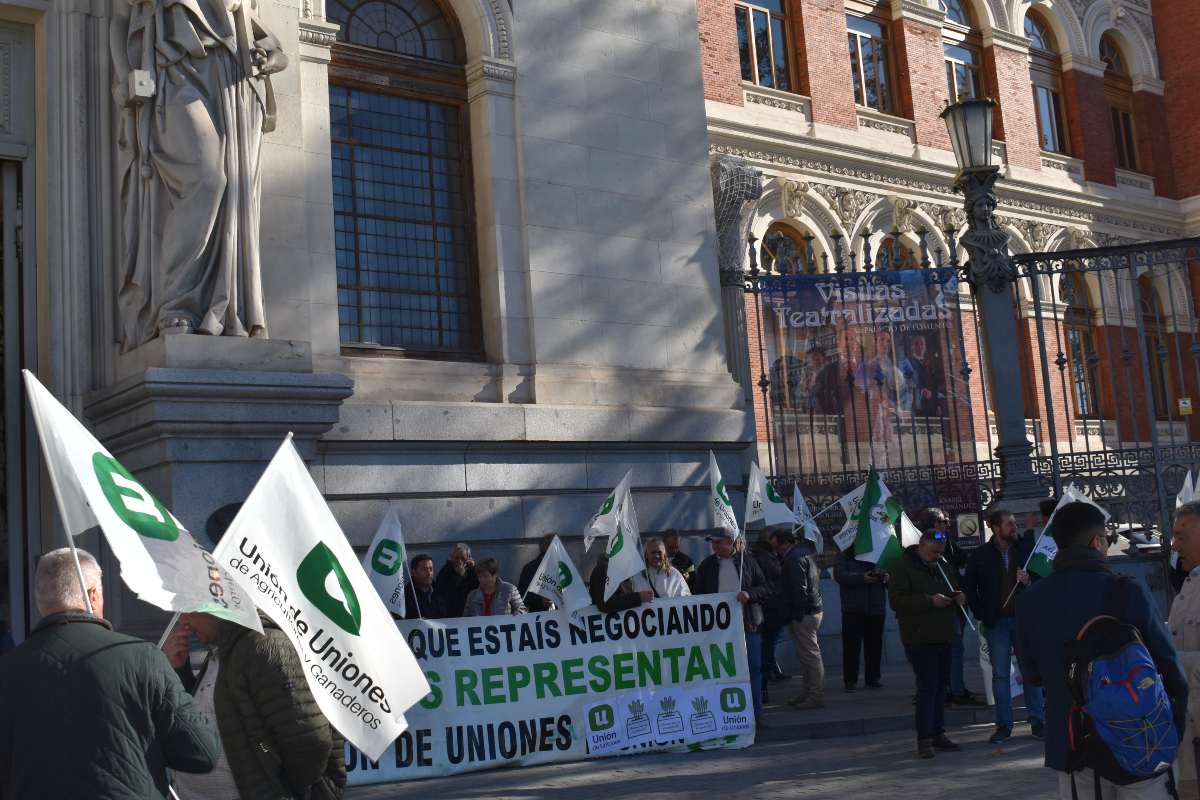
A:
(1184, 623)
(1095, 641)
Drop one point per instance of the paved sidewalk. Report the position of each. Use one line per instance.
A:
(879, 765)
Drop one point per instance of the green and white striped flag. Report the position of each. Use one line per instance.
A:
(871, 516)
(1041, 560)
(723, 516)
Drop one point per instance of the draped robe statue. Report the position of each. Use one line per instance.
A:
(191, 83)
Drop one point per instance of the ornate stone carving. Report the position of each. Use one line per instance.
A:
(794, 195)
(320, 38)
(895, 128)
(735, 185)
(1036, 234)
(770, 101)
(191, 131)
(985, 241)
(946, 217)
(902, 213)
(847, 204)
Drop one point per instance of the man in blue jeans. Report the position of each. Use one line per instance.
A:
(995, 578)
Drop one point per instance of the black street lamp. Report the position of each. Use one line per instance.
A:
(992, 275)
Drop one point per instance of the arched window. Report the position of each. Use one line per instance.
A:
(784, 250)
(963, 47)
(1045, 72)
(402, 197)
(1153, 325)
(1083, 361)
(763, 43)
(1118, 93)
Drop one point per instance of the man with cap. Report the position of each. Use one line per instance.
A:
(927, 602)
(729, 571)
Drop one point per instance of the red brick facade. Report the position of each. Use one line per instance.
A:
(1008, 82)
(1089, 127)
(820, 32)
(1177, 26)
(719, 52)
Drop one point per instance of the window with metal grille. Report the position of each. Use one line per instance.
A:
(763, 43)
(406, 272)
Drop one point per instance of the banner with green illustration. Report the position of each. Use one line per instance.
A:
(566, 686)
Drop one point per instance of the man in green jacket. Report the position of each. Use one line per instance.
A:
(277, 743)
(86, 712)
(927, 600)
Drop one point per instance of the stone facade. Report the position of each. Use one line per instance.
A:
(598, 294)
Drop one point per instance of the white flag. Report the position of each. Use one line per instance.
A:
(558, 580)
(160, 561)
(624, 548)
(763, 502)
(604, 521)
(723, 516)
(910, 534)
(806, 524)
(386, 563)
(1041, 560)
(287, 549)
(1187, 493)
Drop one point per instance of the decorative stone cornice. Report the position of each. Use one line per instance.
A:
(1144, 83)
(1084, 64)
(918, 12)
(1008, 41)
(490, 76)
(788, 102)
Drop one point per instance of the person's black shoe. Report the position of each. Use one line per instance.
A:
(924, 748)
(942, 743)
(780, 676)
(1037, 729)
(969, 699)
(874, 685)
(851, 688)
(1002, 734)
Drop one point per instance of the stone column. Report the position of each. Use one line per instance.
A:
(735, 186)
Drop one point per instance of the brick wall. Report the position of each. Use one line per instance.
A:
(719, 51)
(1154, 143)
(823, 61)
(1007, 74)
(1089, 126)
(921, 79)
(1177, 26)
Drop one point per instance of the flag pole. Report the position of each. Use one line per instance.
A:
(1025, 568)
(966, 616)
(62, 511)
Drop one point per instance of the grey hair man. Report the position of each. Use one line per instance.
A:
(86, 712)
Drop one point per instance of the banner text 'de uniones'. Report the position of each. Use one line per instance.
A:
(559, 686)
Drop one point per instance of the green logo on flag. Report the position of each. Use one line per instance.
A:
(617, 543)
(733, 700)
(722, 493)
(601, 718)
(772, 495)
(564, 576)
(136, 507)
(608, 505)
(387, 558)
(324, 583)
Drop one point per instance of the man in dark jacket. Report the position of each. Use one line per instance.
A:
(927, 602)
(864, 610)
(534, 602)
(86, 712)
(729, 571)
(775, 615)
(457, 579)
(995, 577)
(679, 559)
(801, 585)
(1052, 612)
(276, 741)
(423, 600)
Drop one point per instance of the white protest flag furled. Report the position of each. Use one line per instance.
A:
(805, 525)
(287, 550)
(1041, 560)
(558, 580)
(386, 563)
(624, 549)
(604, 522)
(764, 503)
(1187, 493)
(723, 516)
(160, 561)
(871, 514)
(910, 534)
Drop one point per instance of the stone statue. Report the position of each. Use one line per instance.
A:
(191, 82)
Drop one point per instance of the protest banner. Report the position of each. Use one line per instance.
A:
(562, 686)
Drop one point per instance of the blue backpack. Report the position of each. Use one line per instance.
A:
(1121, 724)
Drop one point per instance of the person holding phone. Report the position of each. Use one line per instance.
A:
(927, 601)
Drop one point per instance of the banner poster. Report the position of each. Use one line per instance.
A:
(870, 369)
(670, 675)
